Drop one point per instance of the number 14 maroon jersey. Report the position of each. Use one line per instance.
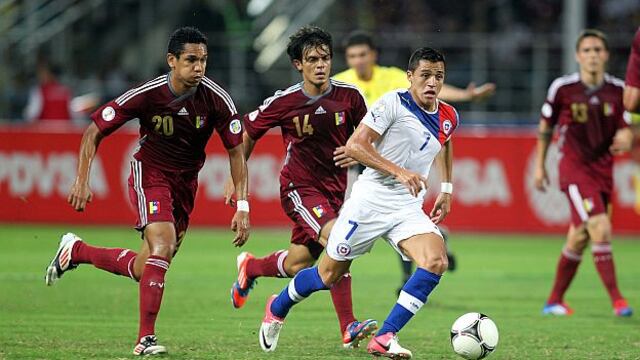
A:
(312, 128)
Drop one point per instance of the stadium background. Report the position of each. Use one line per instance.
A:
(506, 236)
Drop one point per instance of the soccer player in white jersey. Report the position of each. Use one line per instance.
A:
(398, 140)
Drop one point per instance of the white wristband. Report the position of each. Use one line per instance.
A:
(446, 188)
(242, 205)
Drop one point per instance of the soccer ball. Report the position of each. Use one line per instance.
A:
(474, 336)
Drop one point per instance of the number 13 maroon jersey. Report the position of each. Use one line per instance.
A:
(312, 128)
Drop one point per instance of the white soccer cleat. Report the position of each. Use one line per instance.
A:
(270, 328)
(148, 345)
(61, 263)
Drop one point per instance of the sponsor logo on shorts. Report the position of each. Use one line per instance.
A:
(235, 127)
(318, 211)
(154, 207)
(108, 113)
(344, 249)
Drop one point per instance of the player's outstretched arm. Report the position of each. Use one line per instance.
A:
(442, 206)
(545, 131)
(229, 188)
(471, 93)
(359, 147)
(80, 194)
(239, 174)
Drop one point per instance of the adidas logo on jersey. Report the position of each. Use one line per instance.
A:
(320, 110)
(594, 100)
(183, 111)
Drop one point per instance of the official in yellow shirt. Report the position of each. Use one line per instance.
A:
(374, 80)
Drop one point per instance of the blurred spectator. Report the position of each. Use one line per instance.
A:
(49, 100)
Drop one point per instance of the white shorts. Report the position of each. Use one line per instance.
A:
(358, 227)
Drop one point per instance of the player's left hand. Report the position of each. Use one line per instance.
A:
(441, 208)
(341, 159)
(481, 92)
(240, 224)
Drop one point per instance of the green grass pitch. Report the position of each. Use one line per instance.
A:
(90, 314)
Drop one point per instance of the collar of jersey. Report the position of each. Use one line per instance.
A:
(427, 119)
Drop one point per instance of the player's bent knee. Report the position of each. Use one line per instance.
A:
(437, 263)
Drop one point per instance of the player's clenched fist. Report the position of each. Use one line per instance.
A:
(414, 182)
(79, 196)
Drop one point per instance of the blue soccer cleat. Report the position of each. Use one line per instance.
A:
(621, 308)
(243, 285)
(557, 309)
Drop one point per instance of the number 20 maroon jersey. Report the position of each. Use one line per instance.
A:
(174, 130)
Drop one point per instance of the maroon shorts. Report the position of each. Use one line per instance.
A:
(162, 196)
(586, 199)
(310, 210)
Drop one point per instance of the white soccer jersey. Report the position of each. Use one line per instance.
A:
(411, 137)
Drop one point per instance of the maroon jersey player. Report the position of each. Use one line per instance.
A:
(316, 117)
(178, 113)
(587, 109)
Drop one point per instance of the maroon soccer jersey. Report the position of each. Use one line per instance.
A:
(633, 66)
(312, 128)
(588, 120)
(174, 130)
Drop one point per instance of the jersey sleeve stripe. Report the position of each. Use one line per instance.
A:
(558, 83)
(614, 80)
(130, 91)
(221, 93)
(140, 91)
(279, 94)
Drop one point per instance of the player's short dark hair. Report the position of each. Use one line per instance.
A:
(359, 37)
(184, 35)
(592, 33)
(308, 37)
(425, 53)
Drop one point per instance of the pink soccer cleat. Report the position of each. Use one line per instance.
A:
(387, 345)
(243, 285)
(270, 328)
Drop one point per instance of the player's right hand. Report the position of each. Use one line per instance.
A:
(79, 195)
(541, 179)
(229, 190)
(414, 182)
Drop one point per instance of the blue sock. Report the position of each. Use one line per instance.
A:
(413, 295)
(305, 283)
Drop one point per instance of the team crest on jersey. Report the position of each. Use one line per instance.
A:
(108, 113)
(607, 109)
(235, 127)
(318, 210)
(341, 118)
(343, 249)
(200, 121)
(446, 126)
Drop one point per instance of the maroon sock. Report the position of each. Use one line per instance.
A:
(114, 260)
(151, 289)
(271, 265)
(567, 267)
(603, 259)
(341, 296)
